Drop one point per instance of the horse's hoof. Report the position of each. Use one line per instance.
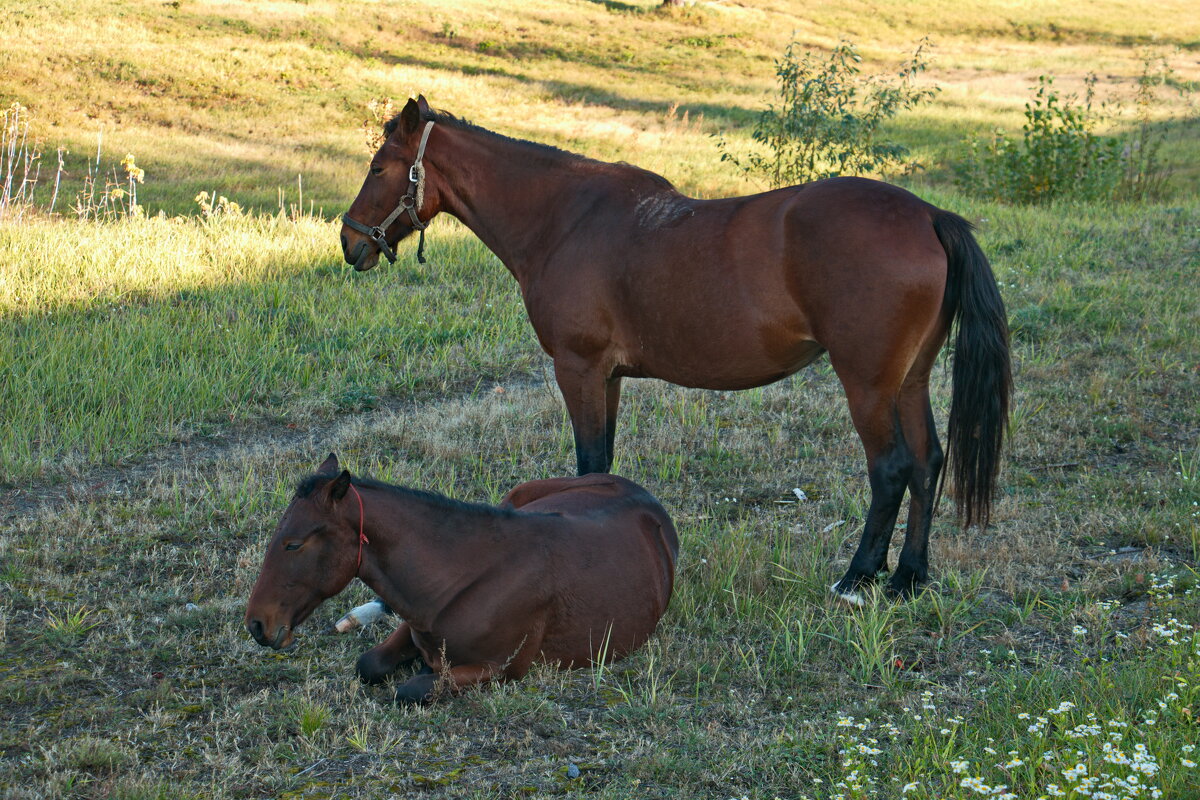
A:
(361, 617)
(852, 598)
(421, 695)
(904, 588)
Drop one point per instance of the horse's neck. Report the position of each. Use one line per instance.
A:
(414, 556)
(505, 197)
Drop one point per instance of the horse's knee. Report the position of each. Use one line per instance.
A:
(375, 665)
(892, 469)
(371, 668)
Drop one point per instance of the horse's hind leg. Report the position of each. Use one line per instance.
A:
(889, 468)
(375, 665)
(420, 688)
(916, 418)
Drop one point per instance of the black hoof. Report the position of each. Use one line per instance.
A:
(905, 584)
(372, 669)
(417, 690)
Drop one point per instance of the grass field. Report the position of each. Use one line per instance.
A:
(168, 379)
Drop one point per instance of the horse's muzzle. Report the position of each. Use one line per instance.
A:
(365, 258)
(360, 256)
(283, 639)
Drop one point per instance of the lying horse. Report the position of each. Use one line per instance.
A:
(622, 276)
(568, 571)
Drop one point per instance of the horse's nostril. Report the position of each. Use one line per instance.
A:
(345, 243)
(256, 630)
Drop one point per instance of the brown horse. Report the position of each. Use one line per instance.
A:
(622, 276)
(569, 571)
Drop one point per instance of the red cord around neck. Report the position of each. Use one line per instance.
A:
(362, 537)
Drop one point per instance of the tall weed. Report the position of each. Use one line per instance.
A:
(20, 163)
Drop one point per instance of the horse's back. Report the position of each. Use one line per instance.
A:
(571, 494)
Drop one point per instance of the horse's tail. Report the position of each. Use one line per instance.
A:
(982, 372)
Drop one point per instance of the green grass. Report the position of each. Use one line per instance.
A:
(166, 380)
(120, 337)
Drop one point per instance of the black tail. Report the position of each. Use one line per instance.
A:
(982, 376)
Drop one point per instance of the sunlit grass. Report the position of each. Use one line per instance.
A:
(288, 92)
(118, 337)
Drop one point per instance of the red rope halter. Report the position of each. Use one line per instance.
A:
(362, 537)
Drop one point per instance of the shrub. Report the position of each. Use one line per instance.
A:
(1059, 154)
(828, 118)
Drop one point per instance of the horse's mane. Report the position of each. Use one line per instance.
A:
(309, 485)
(549, 152)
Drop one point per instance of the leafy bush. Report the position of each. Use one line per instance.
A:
(1060, 155)
(828, 118)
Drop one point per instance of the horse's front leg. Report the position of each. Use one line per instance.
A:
(584, 387)
(612, 400)
(388, 656)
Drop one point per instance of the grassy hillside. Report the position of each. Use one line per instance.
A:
(167, 380)
(241, 98)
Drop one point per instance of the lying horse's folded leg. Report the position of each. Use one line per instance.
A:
(420, 688)
(375, 665)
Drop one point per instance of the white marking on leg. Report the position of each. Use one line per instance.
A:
(360, 617)
(853, 598)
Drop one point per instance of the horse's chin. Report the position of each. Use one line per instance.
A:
(367, 258)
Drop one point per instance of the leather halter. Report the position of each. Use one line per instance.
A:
(410, 202)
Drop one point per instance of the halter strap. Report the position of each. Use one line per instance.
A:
(362, 537)
(411, 202)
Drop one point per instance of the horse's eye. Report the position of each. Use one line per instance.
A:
(292, 546)
(376, 170)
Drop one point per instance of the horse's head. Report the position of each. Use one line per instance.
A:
(310, 558)
(395, 198)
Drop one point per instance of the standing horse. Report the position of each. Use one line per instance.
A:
(622, 276)
(569, 571)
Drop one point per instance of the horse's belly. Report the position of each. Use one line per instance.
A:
(729, 368)
(599, 639)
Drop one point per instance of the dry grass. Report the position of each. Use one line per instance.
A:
(237, 100)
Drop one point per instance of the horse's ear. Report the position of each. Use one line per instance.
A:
(423, 107)
(339, 486)
(410, 116)
(330, 464)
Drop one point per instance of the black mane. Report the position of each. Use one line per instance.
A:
(548, 151)
(309, 485)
